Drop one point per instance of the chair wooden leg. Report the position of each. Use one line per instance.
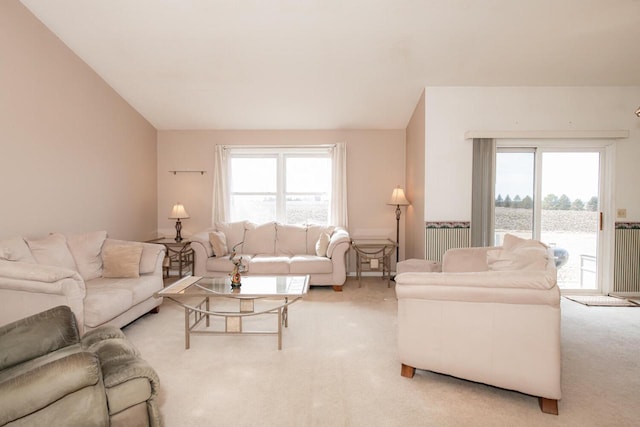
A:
(155, 310)
(548, 406)
(407, 371)
(337, 288)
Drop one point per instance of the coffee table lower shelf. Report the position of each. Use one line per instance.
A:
(196, 314)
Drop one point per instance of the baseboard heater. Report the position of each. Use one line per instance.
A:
(626, 268)
(444, 235)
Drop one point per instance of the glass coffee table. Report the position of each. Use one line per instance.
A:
(195, 295)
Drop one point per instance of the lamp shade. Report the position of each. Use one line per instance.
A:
(178, 212)
(398, 198)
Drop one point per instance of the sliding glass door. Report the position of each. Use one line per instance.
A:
(553, 195)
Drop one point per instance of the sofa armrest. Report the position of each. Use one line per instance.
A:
(339, 243)
(15, 271)
(37, 335)
(128, 379)
(201, 252)
(48, 285)
(34, 389)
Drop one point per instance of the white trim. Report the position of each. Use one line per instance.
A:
(287, 149)
(548, 134)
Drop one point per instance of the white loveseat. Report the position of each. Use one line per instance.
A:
(491, 316)
(274, 249)
(38, 274)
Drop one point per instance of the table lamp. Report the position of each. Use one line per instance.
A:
(178, 212)
(398, 199)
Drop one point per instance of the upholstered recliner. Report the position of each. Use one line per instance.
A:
(491, 316)
(49, 376)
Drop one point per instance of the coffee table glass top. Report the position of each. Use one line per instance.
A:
(252, 286)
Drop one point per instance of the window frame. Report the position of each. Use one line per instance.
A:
(281, 154)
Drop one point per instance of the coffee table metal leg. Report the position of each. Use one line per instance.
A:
(285, 313)
(186, 328)
(280, 310)
(207, 305)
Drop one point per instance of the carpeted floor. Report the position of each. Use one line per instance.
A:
(338, 367)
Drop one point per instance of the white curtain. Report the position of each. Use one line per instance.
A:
(338, 214)
(220, 188)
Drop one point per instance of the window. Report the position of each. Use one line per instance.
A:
(291, 186)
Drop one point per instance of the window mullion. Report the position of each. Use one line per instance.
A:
(281, 196)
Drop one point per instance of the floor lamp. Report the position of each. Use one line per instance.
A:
(398, 199)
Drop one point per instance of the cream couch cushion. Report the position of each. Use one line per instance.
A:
(105, 302)
(291, 239)
(310, 264)
(260, 239)
(15, 249)
(52, 250)
(86, 249)
(224, 264)
(269, 264)
(234, 232)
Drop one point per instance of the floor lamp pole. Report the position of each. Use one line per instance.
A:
(398, 212)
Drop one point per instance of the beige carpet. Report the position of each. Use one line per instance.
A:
(338, 367)
(602, 301)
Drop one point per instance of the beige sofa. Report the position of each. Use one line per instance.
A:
(274, 249)
(104, 281)
(491, 316)
(50, 376)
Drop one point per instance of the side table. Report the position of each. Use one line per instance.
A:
(372, 253)
(179, 254)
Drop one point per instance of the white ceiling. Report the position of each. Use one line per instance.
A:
(336, 64)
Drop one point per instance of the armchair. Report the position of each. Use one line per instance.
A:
(491, 316)
(50, 376)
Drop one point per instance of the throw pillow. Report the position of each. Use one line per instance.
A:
(52, 250)
(121, 261)
(86, 248)
(218, 243)
(322, 244)
(518, 254)
(15, 249)
(313, 234)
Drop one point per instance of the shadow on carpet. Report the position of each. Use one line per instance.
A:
(602, 301)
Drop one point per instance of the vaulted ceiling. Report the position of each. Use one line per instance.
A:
(336, 64)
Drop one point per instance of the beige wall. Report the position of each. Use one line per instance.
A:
(74, 155)
(375, 165)
(415, 161)
(452, 111)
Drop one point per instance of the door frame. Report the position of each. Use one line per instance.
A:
(606, 197)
